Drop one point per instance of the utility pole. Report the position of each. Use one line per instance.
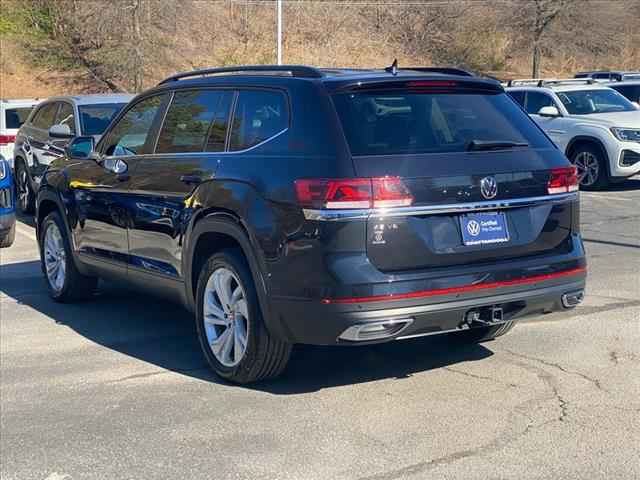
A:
(279, 8)
(137, 49)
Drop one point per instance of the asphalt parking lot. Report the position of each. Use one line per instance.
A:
(117, 389)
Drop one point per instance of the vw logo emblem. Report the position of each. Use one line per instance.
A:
(473, 228)
(489, 187)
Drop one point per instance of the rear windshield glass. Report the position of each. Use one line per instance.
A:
(385, 123)
(94, 119)
(15, 117)
(585, 102)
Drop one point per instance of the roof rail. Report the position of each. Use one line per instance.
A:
(524, 81)
(294, 70)
(541, 82)
(444, 70)
(568, 81)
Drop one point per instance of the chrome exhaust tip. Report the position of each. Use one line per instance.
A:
(572, 299)
(375, 330)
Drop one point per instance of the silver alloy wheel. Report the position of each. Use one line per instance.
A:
(588, 168)
(23, 189)
(55, 257)
(226, 317)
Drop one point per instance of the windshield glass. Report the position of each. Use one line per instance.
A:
(585, 102)
(402, 122)
(94, 119)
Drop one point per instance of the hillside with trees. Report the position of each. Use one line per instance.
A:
(62, 46)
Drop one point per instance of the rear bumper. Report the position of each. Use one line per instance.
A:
(324, 324)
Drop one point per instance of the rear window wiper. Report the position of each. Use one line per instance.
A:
(479, 145)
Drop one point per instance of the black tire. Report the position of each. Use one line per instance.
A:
(7, 239)
(75, 286)
(601, 174)
(26, 195)
(483, 334)
(265, 356)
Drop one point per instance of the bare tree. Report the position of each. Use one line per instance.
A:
(546, 12)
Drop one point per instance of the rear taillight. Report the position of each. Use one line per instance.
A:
(353, 193)
(7, 139)
(563, 180)
(389, 192)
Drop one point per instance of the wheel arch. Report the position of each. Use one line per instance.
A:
(48, 201)
(589, 140)
(212, 232)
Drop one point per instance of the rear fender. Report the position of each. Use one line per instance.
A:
(226, 223)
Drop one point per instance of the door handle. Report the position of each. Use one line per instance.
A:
(191, 179)
(556, 132)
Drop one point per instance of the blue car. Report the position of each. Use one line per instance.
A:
(7, 205)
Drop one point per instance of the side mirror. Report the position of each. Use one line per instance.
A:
(80, 147)
(549, 111)
(60, 131)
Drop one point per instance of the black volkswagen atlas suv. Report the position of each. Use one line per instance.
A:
(289, 204)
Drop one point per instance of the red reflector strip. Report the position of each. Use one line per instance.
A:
(461, 289)
(7, 139)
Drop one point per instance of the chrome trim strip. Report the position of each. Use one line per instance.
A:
(352, 334)
(179, 155)
(364, 214)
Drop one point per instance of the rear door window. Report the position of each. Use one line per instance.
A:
(45, 116)
(259, 116)
(378, 123)
(196, 121)
(15, 117)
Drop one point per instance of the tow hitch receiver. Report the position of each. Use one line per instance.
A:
(484, 316)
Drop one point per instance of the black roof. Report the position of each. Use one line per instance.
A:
(334, 78)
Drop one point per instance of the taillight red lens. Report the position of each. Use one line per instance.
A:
(7, 139)
(563, 180)
(353, 193)
(326, 193)
(389, 192)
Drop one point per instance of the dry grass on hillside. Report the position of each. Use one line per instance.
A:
(182, 35)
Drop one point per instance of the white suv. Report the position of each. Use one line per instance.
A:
(596, 127)
(13, 114)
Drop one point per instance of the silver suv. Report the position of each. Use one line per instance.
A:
(596, 127)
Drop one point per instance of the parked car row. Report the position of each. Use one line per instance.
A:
(45, 134)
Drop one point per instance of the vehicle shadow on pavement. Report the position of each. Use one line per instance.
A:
(163, 334)
(626, 186)
(26, 219)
